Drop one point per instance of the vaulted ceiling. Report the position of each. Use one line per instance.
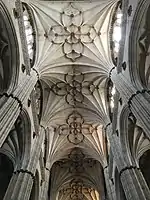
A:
(73, 58)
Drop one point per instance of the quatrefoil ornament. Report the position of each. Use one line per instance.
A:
(72, 34)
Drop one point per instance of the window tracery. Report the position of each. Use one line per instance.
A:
(29, 32)
(38, 99)
(110, 95)
(116, 32)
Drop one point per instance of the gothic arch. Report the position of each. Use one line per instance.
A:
(139, 45)
(9, 52)
(132, 137)
(18, 142)
(144, 163)
(27, 136)
(83, 170)
(6, 171)
(16, 147)
(126, 133)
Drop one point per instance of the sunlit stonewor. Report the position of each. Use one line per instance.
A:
(73, 33)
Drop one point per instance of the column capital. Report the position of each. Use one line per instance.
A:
(127, 168)
(13, 97)
(107, 125)
(135, 94)
(25, 171)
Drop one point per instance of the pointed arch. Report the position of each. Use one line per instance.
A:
(139, 44)
(9, 52)
(124, 134)
(17, 145)
(6, 171)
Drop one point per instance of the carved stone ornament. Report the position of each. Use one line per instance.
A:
(75, 128)
(74, 88)
(73, 33)
(77, 190)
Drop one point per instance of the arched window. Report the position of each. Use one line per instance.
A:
(38, 96)
(30, 32)
(111, 90)
(115, 34)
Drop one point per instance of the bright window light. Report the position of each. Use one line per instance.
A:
(116, 33)
(112, 104)
(113, 91)
(28, 32)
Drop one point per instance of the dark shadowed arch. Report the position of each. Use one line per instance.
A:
(144, 164)
(6, 171)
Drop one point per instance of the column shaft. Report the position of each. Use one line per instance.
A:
(109, 185)
(10, 109)
(45, 186)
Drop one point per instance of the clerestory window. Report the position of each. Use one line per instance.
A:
(111, 93)
(29, 32)
(116, 32)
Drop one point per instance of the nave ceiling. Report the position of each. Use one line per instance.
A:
(74, 60)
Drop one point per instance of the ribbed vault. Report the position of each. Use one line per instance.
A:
(77, 177)
(73, 58)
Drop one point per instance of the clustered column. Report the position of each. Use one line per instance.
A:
(138, 101)
(11, 105)
(22, 181)
(131, 177)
